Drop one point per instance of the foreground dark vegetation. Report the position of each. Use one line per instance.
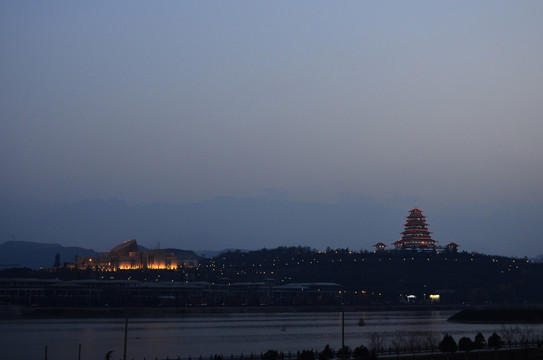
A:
(514, 343)
(299, 276)
(361, 353)
(500, 315)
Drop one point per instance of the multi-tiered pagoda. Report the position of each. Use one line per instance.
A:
(416, 235)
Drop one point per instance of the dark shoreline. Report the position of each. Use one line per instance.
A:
(108, 312)
(497, 315)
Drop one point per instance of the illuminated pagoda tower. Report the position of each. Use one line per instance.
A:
(415, 235)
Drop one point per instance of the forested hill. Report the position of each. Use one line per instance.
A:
(463, 276)
(363, 277)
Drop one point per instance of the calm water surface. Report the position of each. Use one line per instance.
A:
(208, 334)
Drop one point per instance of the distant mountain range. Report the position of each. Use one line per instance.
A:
(248, 223)
(37, 255)
(220, 223)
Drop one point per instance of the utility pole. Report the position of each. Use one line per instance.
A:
(343, 334)
(125, 333)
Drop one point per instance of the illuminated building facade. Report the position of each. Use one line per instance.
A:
(416, 235)
(126, 256)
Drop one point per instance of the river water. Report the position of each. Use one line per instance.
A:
(209, 334)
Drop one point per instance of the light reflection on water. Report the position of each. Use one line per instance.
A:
(216, 334)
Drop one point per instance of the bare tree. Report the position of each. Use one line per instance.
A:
(431, 340)
(510, 335)
(398, 342)
(526, 336)
(413, 341)
(376, 342)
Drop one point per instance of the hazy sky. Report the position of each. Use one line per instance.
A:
(175, 101)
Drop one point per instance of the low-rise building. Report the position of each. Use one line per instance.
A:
(126, 256)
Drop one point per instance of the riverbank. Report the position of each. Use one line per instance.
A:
(36, 311)
(525, 315)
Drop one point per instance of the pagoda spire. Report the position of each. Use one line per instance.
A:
(416, 235)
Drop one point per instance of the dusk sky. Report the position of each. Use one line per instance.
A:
(436, 102)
